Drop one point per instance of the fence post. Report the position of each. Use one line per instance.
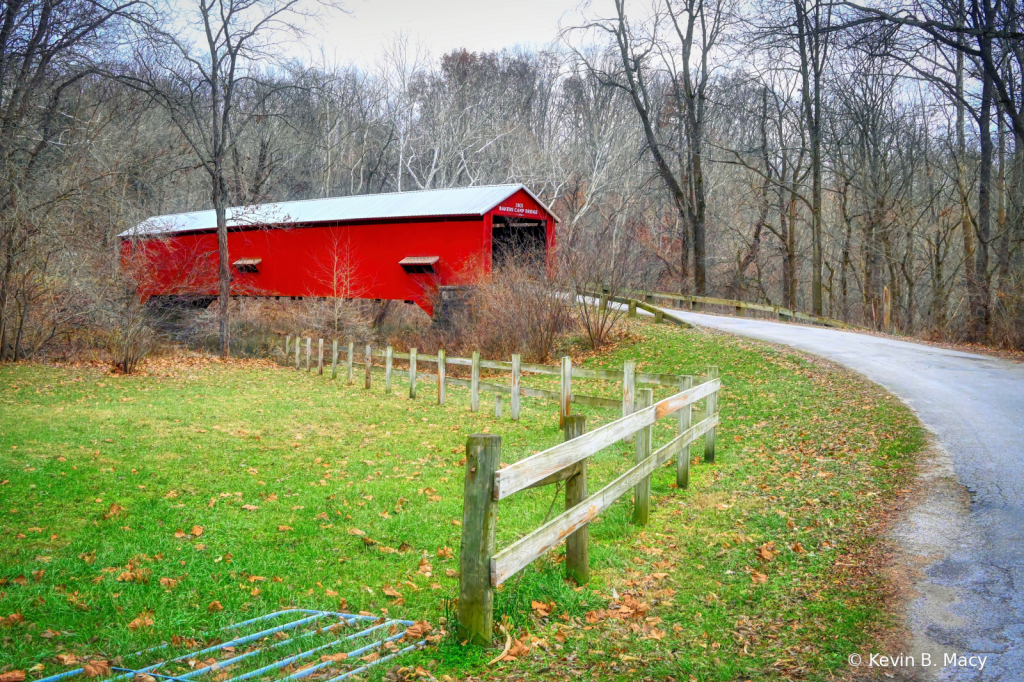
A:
(642, 492)
(632, 308)
(388, 356)
(351, 352)
(566, 398)
(602, 303)
(659, 316)
(287, 347)
(320, 357)
(440, 376)
(334, 359)
(628, 391)
(497, 406)
(297, 344)
(712, 408)
(479, 519)
(685, 419)
(309, 351)
(515, 386)
(369, 362)
(474, 383)
(412, 374)
(577, 545)
(739, 311)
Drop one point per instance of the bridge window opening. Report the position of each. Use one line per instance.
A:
(518, 238)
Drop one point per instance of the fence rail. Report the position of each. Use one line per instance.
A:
(695, 302)
(628, 377)
(483, 567)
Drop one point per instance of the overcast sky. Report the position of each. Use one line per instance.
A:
(441, 25)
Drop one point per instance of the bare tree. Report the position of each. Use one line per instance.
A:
(214, 88)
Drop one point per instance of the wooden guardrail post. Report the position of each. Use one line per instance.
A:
(628, 390)
(577, 545)
(659, 316)
(474, 383)
(369, 364)
(351, 353)
(685, 421)
(388, 361)
(441, 361)
(297, 344)
(642, 491)
(412, 374)
(334, 359)
(515, 386)
(602, 303)
(739, 311)
(497, 406)
(712, 409)
(632, 309)
(566, 396)
(479, 520)
(320, 357)
(309, 351)
(287, 347)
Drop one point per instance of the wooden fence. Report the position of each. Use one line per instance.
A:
(739, 307)
(628, 377)
(484, 568)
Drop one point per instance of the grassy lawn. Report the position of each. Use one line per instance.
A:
(261, 488)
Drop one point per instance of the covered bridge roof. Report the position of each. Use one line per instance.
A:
(458, 201)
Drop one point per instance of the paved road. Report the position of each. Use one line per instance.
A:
(964, 541)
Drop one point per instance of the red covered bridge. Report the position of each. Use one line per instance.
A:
(399, 246)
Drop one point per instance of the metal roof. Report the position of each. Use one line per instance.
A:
(425, 203)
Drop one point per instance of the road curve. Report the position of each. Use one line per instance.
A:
(963, 543)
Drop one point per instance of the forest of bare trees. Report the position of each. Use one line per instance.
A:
(822, 155)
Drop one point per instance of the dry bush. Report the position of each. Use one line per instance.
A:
(520, 311)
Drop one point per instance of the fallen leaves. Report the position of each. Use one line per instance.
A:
(758, 578)
(445, 553)
(249, 507)
(67, 659)
(767, 552)
(169, 583)
(542, 609)
(143, 620)
(97, 668)
(356, 531)
(114, 510)
(214, 607)
(196, 531)
(284, 529)
(12, 676)
(418, 630)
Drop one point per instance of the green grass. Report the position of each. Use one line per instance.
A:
(804, 456)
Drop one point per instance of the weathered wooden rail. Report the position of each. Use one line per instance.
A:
(645, 300)
(484, 568)
(628, 377)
